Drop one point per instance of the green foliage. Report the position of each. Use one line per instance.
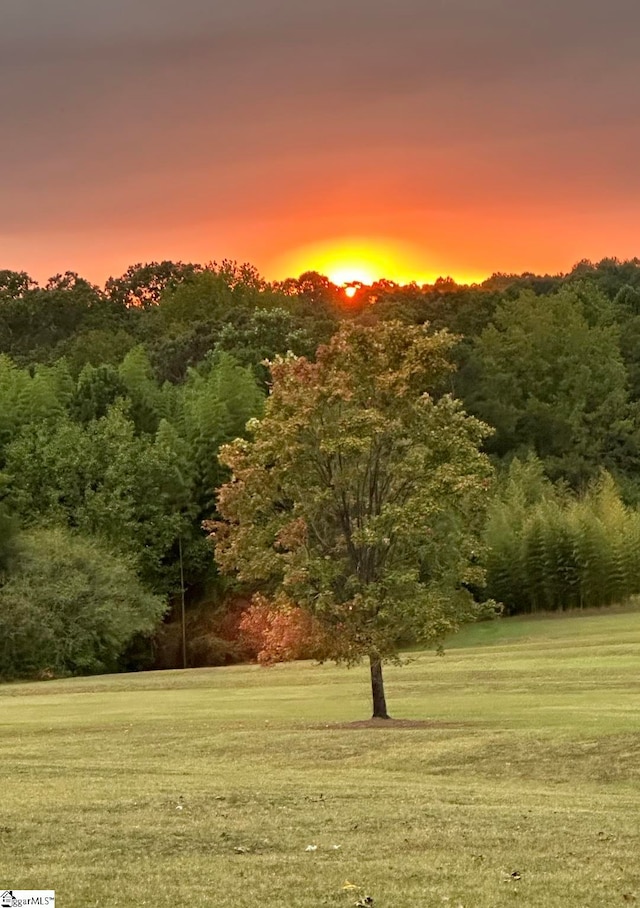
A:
(550, 380)
(70, 606)
(548, 550)
(14, 284)
(205, 299)
(610, 275)
(129, 499)
(103, 480)
(72, 454)
(96, 347)
(114, 404)
(48, 465)
(217, 308)
(37, 323)
(8, 541)
(360, 495)
(141, 286)
(146, 398)
(13, 383)
(97, 389)
(214, 409)
(261, 336)
(27, 399)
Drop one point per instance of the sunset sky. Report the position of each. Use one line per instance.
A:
(410, 138)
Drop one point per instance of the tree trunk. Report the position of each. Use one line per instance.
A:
(377, 689)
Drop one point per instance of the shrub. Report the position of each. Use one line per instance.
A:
(69, 606)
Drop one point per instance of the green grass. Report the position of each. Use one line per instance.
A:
(205, 787)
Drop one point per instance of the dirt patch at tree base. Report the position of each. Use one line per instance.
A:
(390, 724)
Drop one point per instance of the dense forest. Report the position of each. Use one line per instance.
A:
(115, 401)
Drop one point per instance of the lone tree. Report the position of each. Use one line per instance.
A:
(361, 494)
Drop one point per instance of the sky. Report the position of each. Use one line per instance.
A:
(410, 138)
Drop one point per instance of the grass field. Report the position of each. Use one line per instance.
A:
(207, 787)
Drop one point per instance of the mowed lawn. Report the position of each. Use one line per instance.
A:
(207, 787)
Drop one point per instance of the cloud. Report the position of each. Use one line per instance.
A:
(122, 114)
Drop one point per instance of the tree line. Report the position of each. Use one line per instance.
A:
(115, 403)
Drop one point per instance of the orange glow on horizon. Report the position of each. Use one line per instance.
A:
(365, 261)
(350, 292)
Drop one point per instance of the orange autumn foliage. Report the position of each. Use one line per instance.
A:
(279, 633)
